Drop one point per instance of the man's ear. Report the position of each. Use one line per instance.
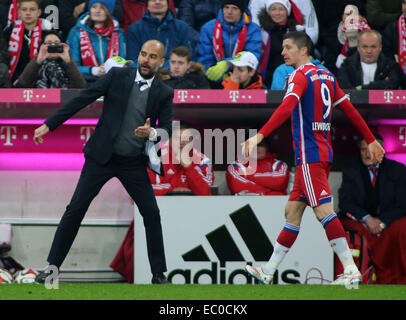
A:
(162, 62)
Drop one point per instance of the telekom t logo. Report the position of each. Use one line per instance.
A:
(8, 133)
(388, 96)
(402, 136)
(28, 94)
(86, 132)
(234, 95)
(182, 95)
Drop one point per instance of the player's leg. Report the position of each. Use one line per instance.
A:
(293, 213)
(318, 191)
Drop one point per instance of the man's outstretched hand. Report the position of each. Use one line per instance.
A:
(39, 133)
(250, 144)
(143, 131)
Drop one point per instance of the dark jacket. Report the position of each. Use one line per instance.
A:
(193, 79)
(4, 63)
(386, 201)
(170, 31)
(197, 12)
(382, 12)
(30, 74)
(387, 75)
(115, 86)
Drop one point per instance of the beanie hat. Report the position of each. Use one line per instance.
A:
(239, 3)
(245, 59)
(285, 3)
(110, 4)
(116, 61)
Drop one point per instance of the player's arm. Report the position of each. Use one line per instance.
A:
(296, 89)
(344, 104)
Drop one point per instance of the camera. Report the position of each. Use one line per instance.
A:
(55, 49)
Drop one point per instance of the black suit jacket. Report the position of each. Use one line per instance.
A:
(386, 201)
(115, 86)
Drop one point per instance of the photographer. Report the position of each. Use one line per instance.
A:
(53, 67)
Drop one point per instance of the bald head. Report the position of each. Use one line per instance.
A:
(151, 58)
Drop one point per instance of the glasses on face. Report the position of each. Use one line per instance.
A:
(52, 43)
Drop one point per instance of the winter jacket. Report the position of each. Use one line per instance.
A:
(24, 57)
(255, 83)
(100, 43)
(282, 72)
(170, 31)
(387, 75)
(197, 12)
(133, 10)
(194, 78)
(271, 177)
(198, 177)
(382, 12)
(306, 8)
(30, 75)
(205, 53)
(4, 63)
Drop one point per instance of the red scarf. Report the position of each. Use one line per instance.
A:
(86, 47)
(16, 43)
(363, 25)
(402, 44)
(218, 41)
(12, 12)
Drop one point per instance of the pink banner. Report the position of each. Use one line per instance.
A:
(220, 96)
(30, 95)
(387, 97)
(16, 135)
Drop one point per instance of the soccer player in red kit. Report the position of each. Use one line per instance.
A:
(311, 94)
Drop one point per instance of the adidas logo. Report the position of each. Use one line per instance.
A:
(170, 171)
(226, 250)
(323, 193)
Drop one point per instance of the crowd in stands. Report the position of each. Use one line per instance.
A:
(214, 32)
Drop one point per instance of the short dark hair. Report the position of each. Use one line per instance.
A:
(38, 2)
(182, 51)
(46, 33)
(301, 39)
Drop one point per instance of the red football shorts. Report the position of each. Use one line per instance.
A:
(311, 184)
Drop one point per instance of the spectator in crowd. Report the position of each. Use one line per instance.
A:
(303, 11)
(381, 12)
(186, 168)
(183, 73)
(224, 37)
(71, 10)
(347, 33)
(271, 176)
(159, 23)
(95, 38)
(391, 38)
(244, 74)
(4, 63)
(377, 210)
(275, 19)
(369, 68)
(133, 10)
(282, 73)
(53, 67)
(197, 12)
(24, 36)
(329, 14)
(9, 10)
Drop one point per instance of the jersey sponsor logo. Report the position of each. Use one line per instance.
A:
(321, 77)
(290, 88)
(321, 126)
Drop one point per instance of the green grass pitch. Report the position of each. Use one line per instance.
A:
(122, 291)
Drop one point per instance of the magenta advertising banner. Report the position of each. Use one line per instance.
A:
(30, 95)
(220, 96)
(392, 97)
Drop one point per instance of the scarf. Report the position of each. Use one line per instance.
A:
(402, 44)
(16, 43)
(12, 12)
(218, 40)
(52, 75)
(363, 25)
(86, 47)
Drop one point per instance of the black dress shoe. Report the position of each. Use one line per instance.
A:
(160, 278)
(42, 275)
